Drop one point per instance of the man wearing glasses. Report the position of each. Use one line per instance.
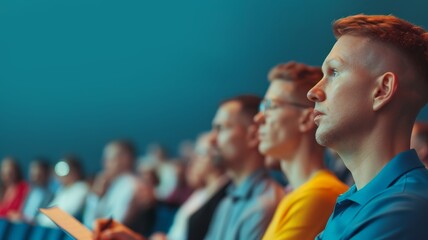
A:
(287, 132)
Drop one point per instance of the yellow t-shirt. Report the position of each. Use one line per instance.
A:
(303, 213)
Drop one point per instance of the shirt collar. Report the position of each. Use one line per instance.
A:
(245, 188)
(398, 166)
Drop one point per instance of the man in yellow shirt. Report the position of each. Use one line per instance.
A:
(287, 133)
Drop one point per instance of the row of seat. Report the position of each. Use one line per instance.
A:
(23, 231)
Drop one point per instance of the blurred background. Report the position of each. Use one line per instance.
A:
(77, 74)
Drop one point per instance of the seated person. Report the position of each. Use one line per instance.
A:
(72, 194)
(157, 155)
(252, 197)
(207, 176)
(40, 194)
(15, 189)
(287, 133)
(113, 189)
(375, 82)
(182, 190)
(142, 214)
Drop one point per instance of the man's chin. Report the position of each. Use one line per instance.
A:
(263, 149)
(321, 137)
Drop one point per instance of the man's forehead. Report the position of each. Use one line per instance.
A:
(289, 91)
(227, 111)
(345, 48)
(280, 89)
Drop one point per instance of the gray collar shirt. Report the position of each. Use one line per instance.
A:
(247, 209)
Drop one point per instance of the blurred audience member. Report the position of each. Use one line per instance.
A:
(252, 198)
(115, 187)
(185, 150)
(40, 195)
(250, 201)
(287, 133)
(182, 190)
(73, 191)
(165, 169)
(142, 213)
(207, 176)
(419, 141)
(15, 189)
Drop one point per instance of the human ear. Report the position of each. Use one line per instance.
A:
(252, 136)
(385, 88)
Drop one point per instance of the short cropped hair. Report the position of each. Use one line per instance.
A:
(249, 104)
(303, 77)
(409, 39)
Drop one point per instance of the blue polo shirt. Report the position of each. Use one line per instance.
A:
(393, 205)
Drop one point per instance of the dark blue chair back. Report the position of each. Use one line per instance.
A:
(38, 232)
(18, 231)
(24, 231)
(4, 227)
(55, 234)
(165, 214)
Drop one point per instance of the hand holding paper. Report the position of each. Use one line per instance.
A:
(104, 228)
(116, 231)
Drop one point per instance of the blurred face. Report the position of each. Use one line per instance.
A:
(200, 163)
(229, 134)
(8, 174)
(36, 174)
(279, 123)
(112, 158)
(343, 101)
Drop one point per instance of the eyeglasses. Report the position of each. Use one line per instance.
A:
(270, 104)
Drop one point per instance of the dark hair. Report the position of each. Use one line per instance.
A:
(249, 104)
(409, 39)
(127, 146)
(43, 163)
(73, 162)
(302, 76)
(16, 168)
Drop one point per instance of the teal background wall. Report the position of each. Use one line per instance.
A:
(75, 74)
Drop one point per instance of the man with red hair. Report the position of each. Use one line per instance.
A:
(375, 82)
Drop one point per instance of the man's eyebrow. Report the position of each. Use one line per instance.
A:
(335, 62)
